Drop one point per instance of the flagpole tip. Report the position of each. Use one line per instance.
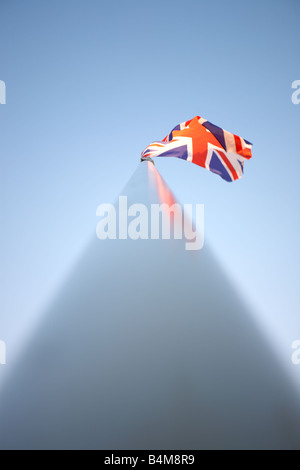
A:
(147, 159)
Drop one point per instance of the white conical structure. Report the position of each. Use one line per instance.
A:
(148, 346)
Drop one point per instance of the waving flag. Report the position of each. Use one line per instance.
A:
(201, 142)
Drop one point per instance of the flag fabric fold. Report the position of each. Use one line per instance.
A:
(201, 142)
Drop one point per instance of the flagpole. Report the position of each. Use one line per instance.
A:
(147, 346)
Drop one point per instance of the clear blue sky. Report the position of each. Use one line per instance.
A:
(91, 83)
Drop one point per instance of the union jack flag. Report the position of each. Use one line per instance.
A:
(201, 142)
